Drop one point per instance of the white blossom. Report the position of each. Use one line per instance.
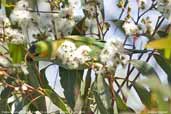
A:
(15, 35)
(24, 87)
(22, 5)
(20, 16)
(65, 53)
(82, 54)
(130, 28)
(66, 47)
(66, 13)
(71, 56)
(112, 55)
(63, 21)
(4, 21)
(17, 88)
(64, 26)
(164, 7)
(146, 26)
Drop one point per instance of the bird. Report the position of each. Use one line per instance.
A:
(46, 50)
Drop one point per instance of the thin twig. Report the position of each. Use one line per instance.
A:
(43, 11)
(111, 80)
(98, 24)
(124, 98)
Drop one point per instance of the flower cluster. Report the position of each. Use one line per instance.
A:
(163, 6)
(130, 28)
(145, 27)
(64, 21)
(111, 56)
(12, 35)
(20, 14)
(71, 56)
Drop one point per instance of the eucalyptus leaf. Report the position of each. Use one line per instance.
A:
(103, 95)
(49, 92)
(71, 81)
(34, 80)
(144, 95)
(55, 98)
(119, 24)
(143, 67)
(159, 93)
(81, 102)
(121, 106)
(4, 106)
(165, 65)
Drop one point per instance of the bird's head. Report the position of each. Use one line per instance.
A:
(40, 49)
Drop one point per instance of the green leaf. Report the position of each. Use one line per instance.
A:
(144, 95)
(163, 43)
(33, 75)
(4, 106)
(81, 102)
(159, 92)
(5, 94)
(164, 64)
(85, 85)
(66, 2)
(55, 98)
(34, 80)
(119, 24)
(17, 52)
(100, 104)
(102, 95)
(19, 104)
(121, 106)
(162, 33)
(145, 68)
(80, 28)
(167, 53)
(71, 81)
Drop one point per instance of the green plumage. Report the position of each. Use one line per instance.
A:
(46, 50)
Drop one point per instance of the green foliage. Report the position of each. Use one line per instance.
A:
(102, 95)
(24, 86)
(165, 64)
(121, 106)
(144, 95)
(17, 52)
(145, 68)
(71, 81)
